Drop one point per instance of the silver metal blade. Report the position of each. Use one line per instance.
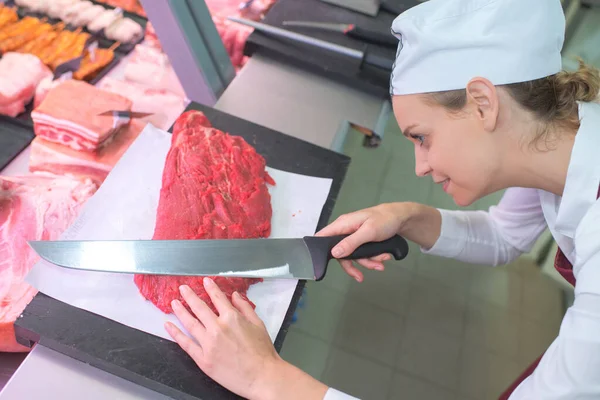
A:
(251, 258)
(318, 25)
(300, 38)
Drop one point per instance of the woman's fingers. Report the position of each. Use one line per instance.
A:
(343, 225)
(246, 309)
(363, 235)
(206, 316)
(193, 326)
(218, 298)
(370, 264)
(381, 257)
(185, 342)
(351, 270)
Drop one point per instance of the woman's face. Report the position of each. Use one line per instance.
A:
(455, 149)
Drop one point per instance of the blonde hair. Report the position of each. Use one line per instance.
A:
(552, 100)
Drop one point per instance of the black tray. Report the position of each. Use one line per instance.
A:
(148, 360)
(15, 136)
(339, 68)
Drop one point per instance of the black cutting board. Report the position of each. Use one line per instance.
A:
(333, 66)
(148, 360)
(15, 136)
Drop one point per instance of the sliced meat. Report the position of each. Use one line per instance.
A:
(69, 114)
(214, 186)
(31, 208)
(62, 160)
(165, 105)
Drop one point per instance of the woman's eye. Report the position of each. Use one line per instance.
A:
(419, 138)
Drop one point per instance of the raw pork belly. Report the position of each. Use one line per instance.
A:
(59, 159)
(69, 115)
(214, 186)
(19, 76)
(165, 105)
(38, 207)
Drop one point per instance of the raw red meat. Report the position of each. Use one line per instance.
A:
(69, 115)
(59, 159)
(214, 186)
(36, 207)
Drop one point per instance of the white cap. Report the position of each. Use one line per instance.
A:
(445, 43)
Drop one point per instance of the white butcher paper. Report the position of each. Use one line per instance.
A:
(124, 208)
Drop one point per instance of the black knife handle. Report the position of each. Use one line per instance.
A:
(374, 37)
(378, 61)
(396, 246)
(320, 249)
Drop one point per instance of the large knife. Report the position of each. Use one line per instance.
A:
(365, 57)
(302, 258)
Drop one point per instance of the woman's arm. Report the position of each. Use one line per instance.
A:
(495, 237)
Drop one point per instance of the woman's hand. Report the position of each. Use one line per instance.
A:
(234, 348)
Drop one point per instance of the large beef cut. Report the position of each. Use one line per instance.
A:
(214, 186)
(60, 159)
(19, 76)
(35, 207)
(69, 114)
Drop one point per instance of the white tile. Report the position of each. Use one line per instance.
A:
(305, 352)
(369, 331)
(542, 300)
(493, 328)
(448, 272)
(357, 376)
(430, 355)
(321, 311)
(534, 339)
(485, 375)
(409, 387)
(437, 306)
(497, 285)
(388, 289)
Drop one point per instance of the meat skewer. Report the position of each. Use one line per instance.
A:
(102, 57)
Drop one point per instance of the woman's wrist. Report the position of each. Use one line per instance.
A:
(282, 380)
(421, 224)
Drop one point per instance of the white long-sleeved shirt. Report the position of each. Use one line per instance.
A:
(570, 368)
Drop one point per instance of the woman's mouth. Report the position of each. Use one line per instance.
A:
(445, 185)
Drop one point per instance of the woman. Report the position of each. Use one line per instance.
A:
(477, 87)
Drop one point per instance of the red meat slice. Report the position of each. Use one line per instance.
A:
(214, 186)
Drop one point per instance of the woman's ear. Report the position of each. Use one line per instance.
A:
(482, 99)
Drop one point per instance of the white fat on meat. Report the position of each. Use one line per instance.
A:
(34, 207)
(124, 30)
(57, 7)
(87, 15)
(20, 74)
(70, 13)
(106, 18)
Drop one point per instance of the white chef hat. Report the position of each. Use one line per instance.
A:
(443, 44)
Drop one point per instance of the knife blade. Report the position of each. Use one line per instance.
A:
(126, 114)
(350, 30)
(365, 57)
(300, 258)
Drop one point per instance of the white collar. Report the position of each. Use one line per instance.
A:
(583, 174)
